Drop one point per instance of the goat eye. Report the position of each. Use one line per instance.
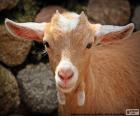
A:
(89, 45)
(46, 44)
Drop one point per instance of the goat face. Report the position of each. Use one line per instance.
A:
(69, 53)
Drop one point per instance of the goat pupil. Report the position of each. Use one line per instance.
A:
(46, 44)
(89, 45)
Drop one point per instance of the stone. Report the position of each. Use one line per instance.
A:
(30, 8)
(46, 13)
(113, 12)
(9, 92)
(136, 18)
(38, 89)
(7, 4)
(13, 51)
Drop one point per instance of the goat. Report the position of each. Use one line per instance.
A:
(97, 67)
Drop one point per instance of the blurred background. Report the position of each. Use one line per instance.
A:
(27, 85)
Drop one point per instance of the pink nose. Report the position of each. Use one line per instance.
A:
(65, 74)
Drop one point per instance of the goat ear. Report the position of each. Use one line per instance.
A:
(29, 30)
(109, 33)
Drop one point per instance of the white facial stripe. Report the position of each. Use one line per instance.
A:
(66, 63)
(67, 24)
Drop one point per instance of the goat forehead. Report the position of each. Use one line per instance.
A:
(67, 22)
(68, 31)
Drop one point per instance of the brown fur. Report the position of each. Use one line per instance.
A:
(112, 79)
(111, 72)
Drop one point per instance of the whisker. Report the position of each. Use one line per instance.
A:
(44, 52)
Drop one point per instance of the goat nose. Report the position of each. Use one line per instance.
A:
(65, 74)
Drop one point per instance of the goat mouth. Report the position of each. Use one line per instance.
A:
(65, 88)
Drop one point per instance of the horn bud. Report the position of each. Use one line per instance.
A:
(83, 18)
(57, 12)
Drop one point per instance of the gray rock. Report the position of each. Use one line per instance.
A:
(136, 18)
(9, 92)
(30, 8)
(7, 4)
(115, 12)
(38, 88)
(46, 13)
(13, 51)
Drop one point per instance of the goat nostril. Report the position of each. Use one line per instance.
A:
(61, 76)
(70, 76)
(65, 74)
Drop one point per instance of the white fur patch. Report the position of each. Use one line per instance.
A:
(67, 24)
(61, 98)
(104, 29)
(31, 25)
(81, 98)
(37, 27)
(65, 63)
